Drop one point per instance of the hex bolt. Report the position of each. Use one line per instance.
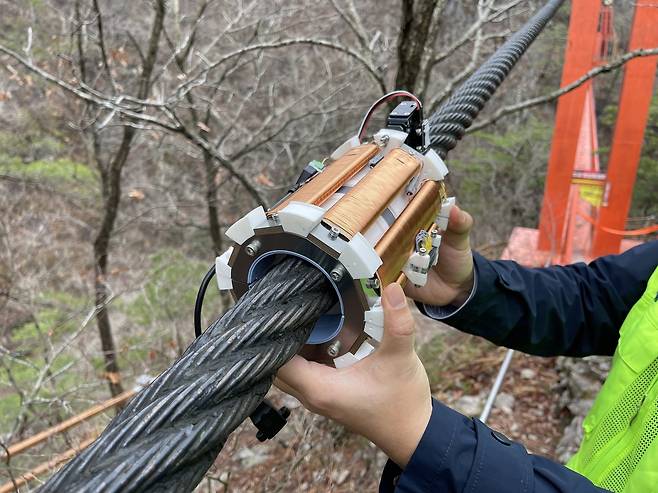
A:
(333, 234)
(337, 272)
(334, 349)
(373, 283)
(252, 248)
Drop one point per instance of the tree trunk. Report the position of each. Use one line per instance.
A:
(111, 191)
(213, 220)
(211, 203)
(105, 330)
(112, 197)
(415, 27)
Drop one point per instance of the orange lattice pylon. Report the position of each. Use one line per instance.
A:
(584, 210)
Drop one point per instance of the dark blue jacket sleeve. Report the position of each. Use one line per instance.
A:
(457, 454)
(573, 310)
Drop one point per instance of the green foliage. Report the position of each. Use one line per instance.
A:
(52, 320)
(29, 145)
(28, 153)
(646, 185)
(57, 172)
(27, 342)
(170, 290)
(645, 194)
(646, 188)
(500, 176)
(10, 405)
(24, 374)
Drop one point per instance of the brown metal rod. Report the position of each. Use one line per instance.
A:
(44, 435)
(43, 468)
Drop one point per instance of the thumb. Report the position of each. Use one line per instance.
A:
(398, 322)
(459, 229)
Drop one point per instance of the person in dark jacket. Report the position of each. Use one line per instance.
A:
(574, 310)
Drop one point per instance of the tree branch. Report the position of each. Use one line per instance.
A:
(86, 94)
(101, 45)
(200, 78)
(547, 98)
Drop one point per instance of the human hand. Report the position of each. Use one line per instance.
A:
(384, 397)
(451, 280)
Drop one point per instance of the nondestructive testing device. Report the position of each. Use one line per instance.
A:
(370, 214)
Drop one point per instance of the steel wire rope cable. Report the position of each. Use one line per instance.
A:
(170, 433)
(449, 123)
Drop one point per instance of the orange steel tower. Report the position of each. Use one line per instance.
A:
(584, 211)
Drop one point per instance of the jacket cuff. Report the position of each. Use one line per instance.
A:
(461, 454)
(442, 458)
(443, 312)
(499, 464)
(484, 276)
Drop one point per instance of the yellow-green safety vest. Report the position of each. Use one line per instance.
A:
(619, 451)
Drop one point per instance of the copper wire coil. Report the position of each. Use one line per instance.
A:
(335, 175)
(359, 207)
(397, 243)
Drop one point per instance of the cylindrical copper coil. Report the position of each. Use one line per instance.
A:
(325, 184)
(398, 242)
(359, 207)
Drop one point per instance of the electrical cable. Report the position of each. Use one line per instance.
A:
(198, 303)
(384, 99)
(170, 433)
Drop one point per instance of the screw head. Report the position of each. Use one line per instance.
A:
(334, 349)
(335, 231)
(337, 273)
(373, 283)
(252, 248)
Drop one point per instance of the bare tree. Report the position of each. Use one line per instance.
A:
(110, 160)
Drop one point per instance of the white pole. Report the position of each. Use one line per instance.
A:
(496, 386)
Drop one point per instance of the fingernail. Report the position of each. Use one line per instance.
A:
(395, 296)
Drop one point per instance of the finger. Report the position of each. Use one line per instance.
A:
(284, 387)
(459, 228)
(398, 322)
(302, 377)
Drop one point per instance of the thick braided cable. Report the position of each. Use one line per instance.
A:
(170, 433)
(448, 125)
